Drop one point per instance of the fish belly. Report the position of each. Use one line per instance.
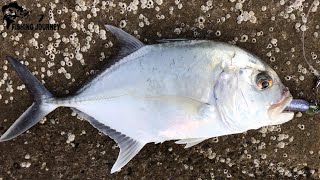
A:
(148, 119)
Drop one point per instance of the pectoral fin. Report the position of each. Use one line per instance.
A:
(128, 147)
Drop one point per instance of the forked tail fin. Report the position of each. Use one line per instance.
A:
(38, 110)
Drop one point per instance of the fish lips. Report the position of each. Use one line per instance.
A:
(277, 112)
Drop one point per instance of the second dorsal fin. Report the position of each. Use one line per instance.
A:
(129, 44)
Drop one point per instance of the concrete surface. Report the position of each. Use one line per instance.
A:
(63, 147)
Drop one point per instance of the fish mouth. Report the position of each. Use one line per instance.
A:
(277, 111)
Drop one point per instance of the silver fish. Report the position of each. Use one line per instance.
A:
(185, 90)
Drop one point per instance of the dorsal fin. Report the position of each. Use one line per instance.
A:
(128, 147)
(172, 40)
(129, 44)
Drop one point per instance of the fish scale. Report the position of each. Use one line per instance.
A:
(185, 90)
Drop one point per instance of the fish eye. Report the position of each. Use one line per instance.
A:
(263, 81)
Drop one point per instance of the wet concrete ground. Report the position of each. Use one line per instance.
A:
(64, 147)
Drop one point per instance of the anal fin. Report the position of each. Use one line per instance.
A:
(128, 147)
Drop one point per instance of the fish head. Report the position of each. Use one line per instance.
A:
(251, 95)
